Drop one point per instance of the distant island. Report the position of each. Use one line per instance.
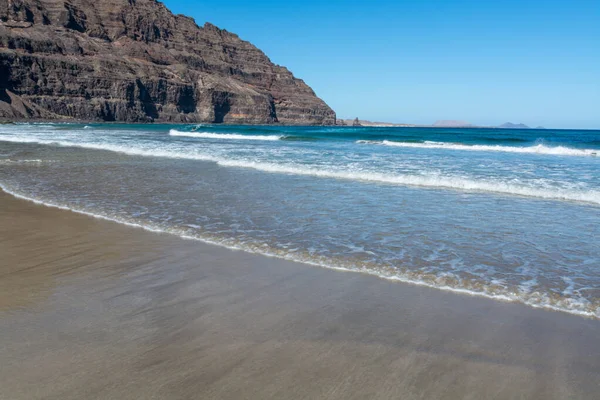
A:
(362, 122)
(510, 125)
(437, 124)
(463, 124)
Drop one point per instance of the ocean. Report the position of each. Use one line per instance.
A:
(512, 215)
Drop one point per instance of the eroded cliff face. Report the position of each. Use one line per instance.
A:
(134, 61)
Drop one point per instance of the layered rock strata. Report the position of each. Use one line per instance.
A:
(134, 61)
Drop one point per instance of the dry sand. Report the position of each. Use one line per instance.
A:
(90, 309)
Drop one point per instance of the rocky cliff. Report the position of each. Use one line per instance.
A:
(134, 61)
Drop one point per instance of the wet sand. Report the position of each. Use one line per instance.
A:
(90, 309)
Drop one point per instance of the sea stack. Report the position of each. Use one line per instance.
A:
(134, 61)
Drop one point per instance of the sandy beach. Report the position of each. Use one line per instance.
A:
(91, 309)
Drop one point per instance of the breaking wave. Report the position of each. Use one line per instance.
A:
(424, 181)
(537, 149)
(427, 181)
(225, 136)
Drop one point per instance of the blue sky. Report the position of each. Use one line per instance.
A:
(485, 62)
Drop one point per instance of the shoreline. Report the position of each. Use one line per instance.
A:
(95, 309)
(391, 278)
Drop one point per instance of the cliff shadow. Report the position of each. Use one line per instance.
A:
(146, 100)
(4, 97)
(221, 106)
(5, 73)
(186, 102)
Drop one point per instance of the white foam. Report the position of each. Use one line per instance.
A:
(130, 150)
(224, 136)
(427, 181)
(535, 300)
(9, 162)
(537, 149)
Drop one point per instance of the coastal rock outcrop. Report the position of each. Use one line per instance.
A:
(134, 61)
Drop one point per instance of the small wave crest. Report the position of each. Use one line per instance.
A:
(293, 138)
(12, 162)
(427, 181)
(536, 149)
(223, 136)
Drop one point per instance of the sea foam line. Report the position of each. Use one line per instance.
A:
(226, 136)
(424, 181)
(566, 305)
(537, 149)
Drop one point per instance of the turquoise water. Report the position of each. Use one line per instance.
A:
(508, 214)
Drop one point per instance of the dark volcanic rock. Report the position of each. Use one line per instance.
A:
(133, 60)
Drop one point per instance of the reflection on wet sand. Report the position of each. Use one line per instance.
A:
(91, 309)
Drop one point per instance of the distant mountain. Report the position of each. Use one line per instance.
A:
(438, 124)
(452, 124)
(362, 122)
(510, 125)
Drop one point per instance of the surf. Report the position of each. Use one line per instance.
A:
(580, 307)
(446, 182)
(536, 149)
(426, 181)
(223, 136)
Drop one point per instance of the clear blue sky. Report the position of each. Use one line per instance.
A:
(485, 62)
